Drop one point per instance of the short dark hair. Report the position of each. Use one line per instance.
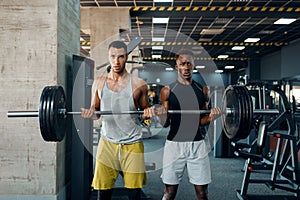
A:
(118, 44)
(184, 52)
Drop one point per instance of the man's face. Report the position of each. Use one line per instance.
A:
(117, 59)
(184, 66)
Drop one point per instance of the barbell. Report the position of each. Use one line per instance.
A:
(237, 113)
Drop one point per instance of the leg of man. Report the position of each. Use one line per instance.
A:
(133, 167)
(134, 194)
(170, 192)
(201, 192)
(106, 168)
(174, 161)
(105, 194)
(198, 168)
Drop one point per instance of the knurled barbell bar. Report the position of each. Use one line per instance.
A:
(237, 113)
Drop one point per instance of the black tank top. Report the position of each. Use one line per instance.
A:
(186, 127)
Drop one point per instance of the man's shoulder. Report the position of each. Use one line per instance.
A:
(173, 84)
(137, 79)
(138, 82)
(198, 84)
(100, 79)
(166, 89)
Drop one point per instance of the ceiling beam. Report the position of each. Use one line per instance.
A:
(259, 12)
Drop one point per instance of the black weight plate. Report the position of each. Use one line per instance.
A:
(42, 119)
(240, 112)
(250, 110)
(47, 134)
(51, 136)
(242, 132)
(247, 126)
(51, 112)
(61, 122)
(231, 120)
(57, 119)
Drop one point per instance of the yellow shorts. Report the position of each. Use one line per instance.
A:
(112, 158)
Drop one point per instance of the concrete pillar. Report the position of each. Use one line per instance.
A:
(103, 25)
(38, 39)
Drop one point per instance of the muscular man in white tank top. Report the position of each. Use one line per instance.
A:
(120, 134)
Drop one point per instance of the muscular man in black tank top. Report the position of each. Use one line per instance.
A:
(185, 147)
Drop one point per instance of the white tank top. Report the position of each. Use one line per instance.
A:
(121, 129)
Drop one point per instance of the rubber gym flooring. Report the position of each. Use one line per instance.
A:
(227, 175)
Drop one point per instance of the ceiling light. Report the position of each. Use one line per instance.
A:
(162, 1)
(195, 71)
(160, 20)
(266, 32)
(169, 69)
(200, 67)
(223, 56)
(86, 47)
(222, 20)
(204, 39)
(157, 47)
(229, 67)
(139, 22)
(252, 40)
(156, 56)
(212, 31)
(158, 39)
(285, 21)
(219, 71)
(197, 50)
(238, 48)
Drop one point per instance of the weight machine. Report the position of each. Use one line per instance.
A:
(284, 163)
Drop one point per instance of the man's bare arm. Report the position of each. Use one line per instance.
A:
(164, 118)
(95, 100)
(214, 112)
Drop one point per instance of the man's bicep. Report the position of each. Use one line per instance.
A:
(95, 102)
(144, 101)
(206, 93)
(95, 99)
(164, 97)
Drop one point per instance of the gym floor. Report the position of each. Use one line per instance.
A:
(227, 176)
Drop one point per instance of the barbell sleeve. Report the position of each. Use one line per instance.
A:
(265, 112)
(22, 114)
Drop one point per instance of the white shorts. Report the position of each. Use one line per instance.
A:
(190, 155)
